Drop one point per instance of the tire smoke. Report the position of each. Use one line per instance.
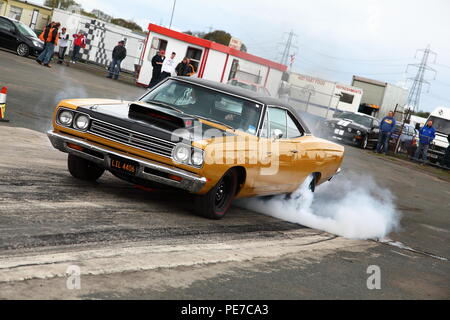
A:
(353, 207)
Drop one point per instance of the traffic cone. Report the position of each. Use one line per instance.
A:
(3, 93)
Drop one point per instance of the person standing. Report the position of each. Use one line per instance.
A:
(426, 137)
(78, 44)
(119, 53)
(387, 127)
(182, 68)
(168, 67)
(157, 62)
(50, 36)
(63, 44)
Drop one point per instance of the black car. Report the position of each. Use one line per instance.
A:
(15, 35)
(355, 128)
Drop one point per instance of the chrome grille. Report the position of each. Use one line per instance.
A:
(131, 138)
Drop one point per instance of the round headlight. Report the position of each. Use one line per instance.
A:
(81, 122)
(65, 118)
(181, 153)
(349, 130)
(358, 133)
(197, 158)
(333, 125)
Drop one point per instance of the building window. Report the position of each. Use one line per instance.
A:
(1, 7)
(15, 13)
(195, 56)
(346, 98)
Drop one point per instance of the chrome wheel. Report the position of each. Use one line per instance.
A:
(23, 50)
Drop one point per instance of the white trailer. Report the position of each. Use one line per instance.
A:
(380, 97)
(441, 122)
(321, 97)
(102, 37)
(213, 61)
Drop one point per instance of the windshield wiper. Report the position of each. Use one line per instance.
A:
(165, 105)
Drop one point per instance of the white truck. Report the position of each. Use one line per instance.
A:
(441, 122)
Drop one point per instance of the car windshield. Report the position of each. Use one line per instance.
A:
(360, 119)
(25, 30)
(237, 113)
(441, 125)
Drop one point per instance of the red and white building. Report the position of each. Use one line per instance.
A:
(213, 61)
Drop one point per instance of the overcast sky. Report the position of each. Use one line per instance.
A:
(335, 38)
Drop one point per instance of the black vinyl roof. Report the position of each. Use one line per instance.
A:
(244, 93)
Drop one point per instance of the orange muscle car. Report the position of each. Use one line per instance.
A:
(214, 140)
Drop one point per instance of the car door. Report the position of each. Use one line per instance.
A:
(7, 34)
(279, 156)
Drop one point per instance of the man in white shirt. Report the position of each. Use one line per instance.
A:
(63, 44)
(168, 67)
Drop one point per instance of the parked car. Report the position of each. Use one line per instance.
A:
(213, 140)
(408, 139)
(250, 86)
(352, 127)
(16, 36)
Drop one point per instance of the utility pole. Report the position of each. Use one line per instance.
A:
(415, 93)
(173, 11)
(288, 46)
(419, 80)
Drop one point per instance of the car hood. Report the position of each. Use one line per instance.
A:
(348, 124)
(153, 120)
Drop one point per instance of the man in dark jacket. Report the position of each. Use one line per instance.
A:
(182, 68)
(386, 128)
(157, 62)
(119, 53)
(426, 137)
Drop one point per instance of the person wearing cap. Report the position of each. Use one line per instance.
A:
(157, 62)
(63, 44)
(119, 53)
(78, 44)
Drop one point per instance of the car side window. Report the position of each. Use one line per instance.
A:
(278, 120)
(293, 129)
(5, 25)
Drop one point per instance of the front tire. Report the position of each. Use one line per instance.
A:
(215, 204)
(23, 50)
(83, 169)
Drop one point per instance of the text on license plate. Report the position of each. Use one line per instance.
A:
(123, 165)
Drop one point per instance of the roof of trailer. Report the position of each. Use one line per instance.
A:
(215, 46)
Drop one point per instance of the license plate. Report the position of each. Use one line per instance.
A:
(124, 165)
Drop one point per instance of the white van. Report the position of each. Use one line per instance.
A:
(441, 122)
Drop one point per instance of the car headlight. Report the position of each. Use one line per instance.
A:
(65, 118)
(349, 130)
(81, 122)
(181, 153)
(197, 158)
(333, 125)
(358, 133)
(38, 44)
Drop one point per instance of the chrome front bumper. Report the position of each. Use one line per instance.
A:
(147, 169)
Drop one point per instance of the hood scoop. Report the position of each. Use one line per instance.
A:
(161, 117)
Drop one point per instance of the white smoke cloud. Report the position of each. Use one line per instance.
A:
(353, 207)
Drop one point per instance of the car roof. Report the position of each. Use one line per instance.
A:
(247, 94)
(361, 114)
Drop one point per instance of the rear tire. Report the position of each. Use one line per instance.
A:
(83, 169)
(23, 50)
(215, 204)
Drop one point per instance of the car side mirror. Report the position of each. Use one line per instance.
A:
(277, 134)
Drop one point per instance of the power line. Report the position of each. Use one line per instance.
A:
(288, 46)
